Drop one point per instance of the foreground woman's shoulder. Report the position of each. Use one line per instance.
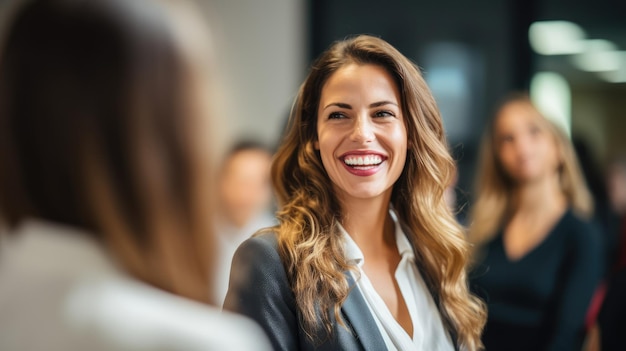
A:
(125, 315)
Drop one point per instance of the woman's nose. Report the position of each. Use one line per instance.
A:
(363, 131)
(523, 145)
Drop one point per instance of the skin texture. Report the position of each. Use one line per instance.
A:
(360, 117)
(365, 126)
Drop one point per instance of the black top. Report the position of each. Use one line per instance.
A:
(612, 317)
(539, 301)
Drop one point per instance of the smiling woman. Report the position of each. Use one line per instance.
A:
(361, 132)
(366, 255)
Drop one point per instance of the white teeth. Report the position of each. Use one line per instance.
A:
(368, 160)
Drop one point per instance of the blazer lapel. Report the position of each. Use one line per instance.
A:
(357, 313)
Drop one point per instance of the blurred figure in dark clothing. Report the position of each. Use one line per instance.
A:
(538, 258)
(616, 186)
(609, 334)
(603, 215)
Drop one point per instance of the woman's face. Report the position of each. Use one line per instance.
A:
(526, 149)
(362, 136)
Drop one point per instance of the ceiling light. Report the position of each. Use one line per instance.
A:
(599, 56)
(551, 93)
(616, 76)
(556, 37)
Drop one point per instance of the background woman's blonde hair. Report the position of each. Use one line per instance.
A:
(309, 242)
(494, 187)
(101, 128)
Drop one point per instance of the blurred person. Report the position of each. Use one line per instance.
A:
(538, 258)
(616, 185)
(103, 182)
(244, 204)
(367, 254)
(603, 216)
(608, 333)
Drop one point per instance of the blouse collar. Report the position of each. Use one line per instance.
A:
(354, 254)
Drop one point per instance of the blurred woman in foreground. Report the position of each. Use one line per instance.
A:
(539, 260)
(103, 183)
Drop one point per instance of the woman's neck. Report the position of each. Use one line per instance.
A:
(539, 197)
(368, 222)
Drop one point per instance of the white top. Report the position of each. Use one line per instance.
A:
(429, 333)
(60, 291)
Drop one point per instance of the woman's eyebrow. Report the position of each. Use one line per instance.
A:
(339, 104)
(349, 107)
(382, 103)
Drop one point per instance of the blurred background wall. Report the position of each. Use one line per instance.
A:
(472, 53)
(262, 52)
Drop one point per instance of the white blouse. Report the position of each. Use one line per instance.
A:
(60, 290)
(429, 333)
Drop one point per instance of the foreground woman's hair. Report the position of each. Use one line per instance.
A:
(309, 241)
(99, 116)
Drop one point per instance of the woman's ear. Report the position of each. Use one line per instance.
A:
(316, 145)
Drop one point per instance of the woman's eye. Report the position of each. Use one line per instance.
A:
(336, 115)
(383, 114)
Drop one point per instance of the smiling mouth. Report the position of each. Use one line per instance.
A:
(362, 161)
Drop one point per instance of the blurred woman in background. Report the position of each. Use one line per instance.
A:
(104, 182)
(244, 205)
(366, 255)
(538, 258)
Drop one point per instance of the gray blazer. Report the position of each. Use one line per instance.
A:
(260, 290)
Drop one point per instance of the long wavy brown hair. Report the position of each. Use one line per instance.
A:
(494, 187)
(102, 128)
(309, 241)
